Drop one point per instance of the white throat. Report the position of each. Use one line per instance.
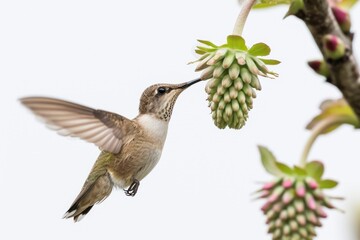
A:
(154, 127)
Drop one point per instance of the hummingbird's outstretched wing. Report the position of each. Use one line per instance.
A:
(107, 130)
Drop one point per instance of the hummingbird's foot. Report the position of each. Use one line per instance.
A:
(131, 191)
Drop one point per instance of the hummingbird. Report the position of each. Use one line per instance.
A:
(130, 149)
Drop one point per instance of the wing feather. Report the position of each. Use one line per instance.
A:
(105, 129)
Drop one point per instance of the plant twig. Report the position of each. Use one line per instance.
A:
(344, 73)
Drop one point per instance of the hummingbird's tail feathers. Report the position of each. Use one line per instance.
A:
(91, 194)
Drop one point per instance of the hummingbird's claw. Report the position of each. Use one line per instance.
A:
(132, 190)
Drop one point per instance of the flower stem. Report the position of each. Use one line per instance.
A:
(316, 132)
(240, 21)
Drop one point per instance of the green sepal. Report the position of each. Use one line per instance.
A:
(328, 184)
(236, 42)
(315, 169)
(268, 160)
(300, 171)
(210, 44)
(270, 61)
(200, 52)
(259, 49)
(284, 168)
(270, 3)
(205, 49)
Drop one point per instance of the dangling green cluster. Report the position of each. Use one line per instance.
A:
(233, 70)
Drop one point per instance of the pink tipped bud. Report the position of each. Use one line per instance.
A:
(278, 223)
(286, 230)
(318, 194)
(301, 219)
(287, 183)
(310, 201)
(276, 194)
(320, 212)
(288, 196)
(294, 225)
(334, 47)
(270, 215)
(278, 207)
(303, 232)
(283, 215)
(311, 183)
(311, 217)
(264, 194)
(291, 212)
(311, 230)
(300, 189)
(265, 208)
(299, 205)
(320, 67)
(343, 18)
(269, 185)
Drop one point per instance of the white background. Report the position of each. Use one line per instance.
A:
(104, 54)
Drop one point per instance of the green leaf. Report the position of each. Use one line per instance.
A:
(328, 184)
(315, 169)
(270, 61)
(268, 160)
(207, 43)
(259, 49)
(236, 42)
(336, 111)
(299, 171)
(270, 3)
(284, 168)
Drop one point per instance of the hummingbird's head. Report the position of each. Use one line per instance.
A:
(159, 99)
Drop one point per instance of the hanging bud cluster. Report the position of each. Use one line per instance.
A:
(233, 70)
(294, 207)
(295, 200)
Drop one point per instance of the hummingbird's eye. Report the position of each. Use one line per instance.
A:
(161, 90)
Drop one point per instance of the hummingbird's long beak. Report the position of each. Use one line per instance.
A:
(188, 84)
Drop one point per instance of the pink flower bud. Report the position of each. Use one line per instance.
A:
(311, 183)
(334, 47)
(320, 67)
(287, 183)
(343, 18)
(320, 212)
(310, 201)
(300, 189)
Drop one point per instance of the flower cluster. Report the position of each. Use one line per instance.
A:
(233, 70)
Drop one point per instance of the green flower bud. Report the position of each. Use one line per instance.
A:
(245, 75)
(238, 84)
(234, 71)
(228, 60)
